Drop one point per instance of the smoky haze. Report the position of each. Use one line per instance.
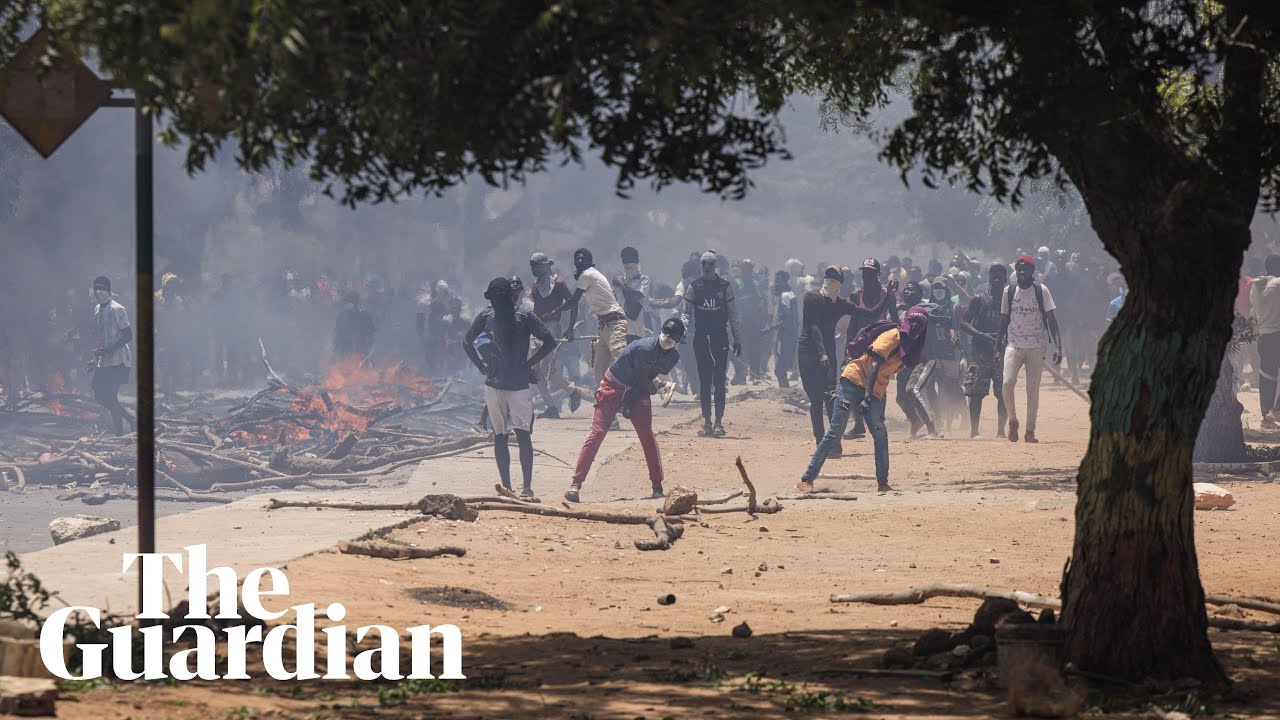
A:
(69, 218)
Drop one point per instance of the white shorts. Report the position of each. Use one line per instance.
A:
(509, 409)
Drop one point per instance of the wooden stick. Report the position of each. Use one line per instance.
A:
(21, 481)
(768, 507)
(270, 372)
(723, 500)
(94, 459)
(915, 596)
(820, 496)
(396, 552)
(1054, 372)
(751, 489)
(1247, 603)
(186, 449)
(596, 515)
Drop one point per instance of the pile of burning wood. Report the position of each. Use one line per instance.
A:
(356, 423)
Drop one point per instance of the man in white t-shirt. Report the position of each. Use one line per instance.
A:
(592, 284)
(1026, 313)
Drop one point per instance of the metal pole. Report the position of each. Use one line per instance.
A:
(146, 337)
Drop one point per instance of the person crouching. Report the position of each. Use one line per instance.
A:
(626, 388)
(889, 348)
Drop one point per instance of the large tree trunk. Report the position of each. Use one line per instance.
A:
(1133, 603)
(1221, 437)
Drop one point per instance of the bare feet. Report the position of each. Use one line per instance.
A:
(884, 487)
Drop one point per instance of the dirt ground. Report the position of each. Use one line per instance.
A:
(573, 628)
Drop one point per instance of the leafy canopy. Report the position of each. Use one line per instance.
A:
(382, 99)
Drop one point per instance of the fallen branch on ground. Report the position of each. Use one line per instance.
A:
(723, 500)
(820, 496)
(396, 552)
(596, 515)
(768, 507)
(665, 530)
(915, 596)
(751, 489)
(20, 479)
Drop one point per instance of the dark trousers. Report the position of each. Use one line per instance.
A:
(1269, 364)
(712, 355)
(783, 360)
(818, 382)
(106, 390)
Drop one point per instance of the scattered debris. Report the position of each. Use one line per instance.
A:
(742, 630)
(392, 551)
(458, 597)
(667, 599)
(1212, 497)
(66, 529)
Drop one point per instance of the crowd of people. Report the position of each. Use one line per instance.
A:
(946, 336)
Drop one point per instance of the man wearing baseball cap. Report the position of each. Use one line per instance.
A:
(1026, 314)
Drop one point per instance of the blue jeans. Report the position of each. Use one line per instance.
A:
(848, 396)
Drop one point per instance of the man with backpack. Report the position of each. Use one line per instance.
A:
(879, 351)
(1026, 313)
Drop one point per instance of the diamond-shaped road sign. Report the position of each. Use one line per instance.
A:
(47, 107)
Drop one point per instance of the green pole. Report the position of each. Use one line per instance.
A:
(146, 336)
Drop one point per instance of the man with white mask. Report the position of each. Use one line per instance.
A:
(632, 291)
(626, 388)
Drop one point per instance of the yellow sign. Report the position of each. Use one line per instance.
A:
(46, 107)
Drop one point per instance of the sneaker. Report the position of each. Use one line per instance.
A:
(718, 431)
(526, 492)
(1013, 431)
(1030, 437)
(551, 413)
(657, 494)
(706, 429)
(572, 494)
(575, 401)
(976, 437)
(854, 434)
(1269, 421)
(804, 487)
(932, 436)
(835, 451)
(616, 425)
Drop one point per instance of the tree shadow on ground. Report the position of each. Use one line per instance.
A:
(790, 674)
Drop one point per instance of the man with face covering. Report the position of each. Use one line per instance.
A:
(632, 290)
(626, 388)
(111, 356)
(504, 333)
(1026, 313)
(862, 389)
(820, 311)
(981, 321)
(939, 381)
(917, 416)
(786, 320)
(709, 305)
(602, 303)
(548, 294)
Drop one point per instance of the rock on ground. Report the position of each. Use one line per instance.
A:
(27, 696)
(450, 507)
(66, 529)
(1212, 497)
(680, 501)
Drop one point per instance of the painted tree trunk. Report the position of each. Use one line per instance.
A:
(1221, 437)
(1133, 603)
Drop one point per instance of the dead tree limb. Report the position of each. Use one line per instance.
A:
(665, 530)
(596, 515)
(723, 500)
(95, 460)
(271, 373)
(819, 496)
(343, 448)
(768, 507)
(20, 479)
(915, 596)
(396, 552)
(274, 504)
(751, 489)
(186, 449)
(1265, 606)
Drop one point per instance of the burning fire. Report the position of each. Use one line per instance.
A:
(351, 397)
(55, 385)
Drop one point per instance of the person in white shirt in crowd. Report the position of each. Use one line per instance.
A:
(1026, 313)
(1050, 268)
(602, 303)
(1264, 299)
(632, 291)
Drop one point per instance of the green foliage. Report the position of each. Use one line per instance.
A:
(797, 698)
(22, 596)
(401, 692)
